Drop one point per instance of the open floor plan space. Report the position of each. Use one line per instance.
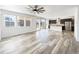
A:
(39, 29)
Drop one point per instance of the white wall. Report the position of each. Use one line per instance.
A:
(77, 25)
(10, 31)
(0, 24)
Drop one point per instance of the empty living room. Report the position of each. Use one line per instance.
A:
(39, 29)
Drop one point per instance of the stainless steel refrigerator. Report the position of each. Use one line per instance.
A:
(68, 25)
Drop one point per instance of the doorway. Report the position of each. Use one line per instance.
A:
(41, 24)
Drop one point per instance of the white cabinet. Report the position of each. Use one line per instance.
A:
(56, 27)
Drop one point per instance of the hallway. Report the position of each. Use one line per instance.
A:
(40, 42)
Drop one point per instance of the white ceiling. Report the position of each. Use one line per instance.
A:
(51, 10)
(56, 10)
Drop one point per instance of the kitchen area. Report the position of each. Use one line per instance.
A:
(60, 25)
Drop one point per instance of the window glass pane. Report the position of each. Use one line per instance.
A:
(9, 20)
(27, 22)
(21, 23)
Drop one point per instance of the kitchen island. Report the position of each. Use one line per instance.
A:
(56, 27)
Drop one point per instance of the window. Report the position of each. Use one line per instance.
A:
(21, 23)
(27, 22)
(9, 20)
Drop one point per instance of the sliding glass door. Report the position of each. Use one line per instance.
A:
(41, 24)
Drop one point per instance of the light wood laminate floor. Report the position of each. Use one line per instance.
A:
(40, 42)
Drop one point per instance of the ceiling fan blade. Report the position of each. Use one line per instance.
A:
(41, 8)
(41, 11)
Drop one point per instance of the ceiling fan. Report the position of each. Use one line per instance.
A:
(36, 9)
